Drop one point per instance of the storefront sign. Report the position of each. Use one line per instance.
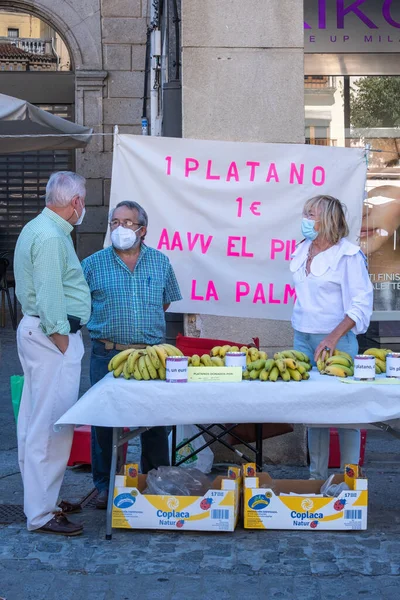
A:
(351, 26)
(228, 214)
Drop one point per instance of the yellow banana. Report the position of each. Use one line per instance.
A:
(172, 350)
(150, 367)
(245, 374)
(223, 350)
(337, 370)
(136, 373)
(301, 369)
(381, 364)
(263, 355)
(255, 374)
(217, 361)
(120, 358)
(320, 365)
(132, 358)
(234, 349)
(300, 356)
(118, 371)
(254, 355)
(143, 369)
(125, 372)
(153, 356)
(294, 374)
(248, 360)
(306, 375)
(281, 365)
(377, 352)
(274, 374)
(338, 360)
(195, 360)
(269, 364)
(306, 365)
(290, 362)
(257, 365)
(285, 376)
(263, 375)
(162, 373)
(110, 367)
(244, 349)
(215, 351)
(162, 355)
(340, 353)
(377, 370)
(278, 355)
(206, 360)
(288, 354)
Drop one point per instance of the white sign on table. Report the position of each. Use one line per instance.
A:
(228, 214)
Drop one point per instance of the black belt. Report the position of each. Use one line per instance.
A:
(74, 323)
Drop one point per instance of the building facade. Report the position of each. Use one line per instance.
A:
(268, 71)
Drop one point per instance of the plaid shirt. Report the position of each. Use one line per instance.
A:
(127, 307)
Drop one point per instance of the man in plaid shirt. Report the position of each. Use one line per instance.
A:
(132, 285)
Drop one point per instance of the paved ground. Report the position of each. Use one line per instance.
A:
(185, 566)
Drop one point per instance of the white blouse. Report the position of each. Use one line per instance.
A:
(338, 285)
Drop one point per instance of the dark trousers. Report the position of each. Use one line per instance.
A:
(155, 451)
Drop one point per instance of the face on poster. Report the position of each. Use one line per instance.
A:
(228, 214)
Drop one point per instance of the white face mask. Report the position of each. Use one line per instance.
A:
(80, 219)
(124, 238)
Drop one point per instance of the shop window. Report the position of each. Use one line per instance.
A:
(357, 112)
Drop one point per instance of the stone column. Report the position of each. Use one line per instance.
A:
(92, 162)
(243, 80)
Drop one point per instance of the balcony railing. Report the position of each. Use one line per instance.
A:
(316, 82)
(31, 45)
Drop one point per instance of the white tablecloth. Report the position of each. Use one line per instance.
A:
(320, 400)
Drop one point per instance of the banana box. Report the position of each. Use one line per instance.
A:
(297, 504)
(217, 510)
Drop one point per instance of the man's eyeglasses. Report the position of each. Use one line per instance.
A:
(125, 223)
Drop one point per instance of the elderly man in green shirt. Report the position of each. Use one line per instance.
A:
(55, 302)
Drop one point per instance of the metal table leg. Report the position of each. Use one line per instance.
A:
(113, 470)
(259, 446)
(119, 439)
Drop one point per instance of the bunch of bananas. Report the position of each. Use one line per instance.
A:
(205, 360)
(217, 356)
(380, 358)
(146, 364)
(287, 365)
(340, 364)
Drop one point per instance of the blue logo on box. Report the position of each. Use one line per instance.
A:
(124, 501)
(258, 502)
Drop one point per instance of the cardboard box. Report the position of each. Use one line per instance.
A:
(265, 506)
(227, 374)
(217, 510)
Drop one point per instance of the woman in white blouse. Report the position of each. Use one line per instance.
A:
(333, 305)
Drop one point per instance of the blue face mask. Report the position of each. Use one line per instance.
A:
(307, 229)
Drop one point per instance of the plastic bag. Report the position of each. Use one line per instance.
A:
(202, 460)
(17, 384)
(174, 481)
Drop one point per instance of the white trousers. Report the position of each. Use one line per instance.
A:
(51, 387)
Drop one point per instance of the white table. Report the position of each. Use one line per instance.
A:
(321, 400)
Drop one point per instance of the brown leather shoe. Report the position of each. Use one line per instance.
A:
(102, 500)
(59, 525)
(68, 508)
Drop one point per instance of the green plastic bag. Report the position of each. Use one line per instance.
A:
(17, 384)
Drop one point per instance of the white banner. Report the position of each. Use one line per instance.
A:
(228, 214)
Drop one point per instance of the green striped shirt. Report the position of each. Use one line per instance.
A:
(48, 275)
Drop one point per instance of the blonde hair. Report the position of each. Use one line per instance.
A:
(332, 218)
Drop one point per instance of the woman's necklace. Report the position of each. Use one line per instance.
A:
(310, 256)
